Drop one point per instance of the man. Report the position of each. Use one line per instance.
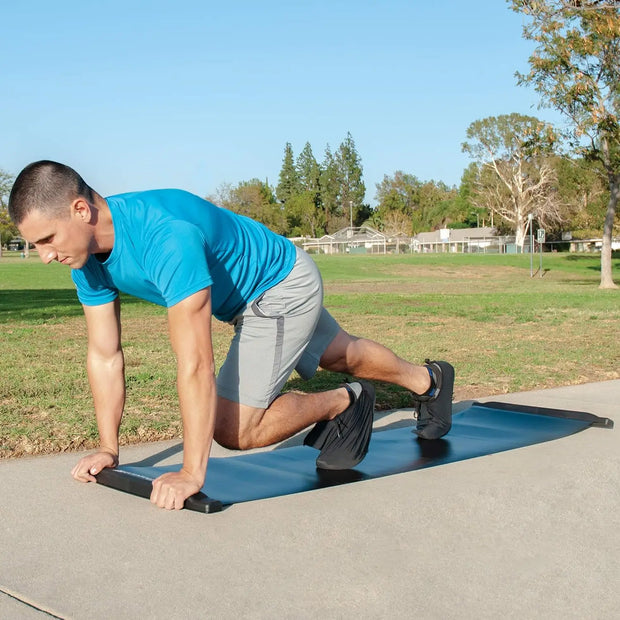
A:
(198, 260)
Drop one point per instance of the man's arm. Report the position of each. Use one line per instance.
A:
(106, 374)
(190, 336)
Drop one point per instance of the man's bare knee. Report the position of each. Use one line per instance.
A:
(227, 438)
(336, 356)
(236, 425)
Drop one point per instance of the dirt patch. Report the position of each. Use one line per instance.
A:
(418, 279)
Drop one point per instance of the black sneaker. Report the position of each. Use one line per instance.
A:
(344, 441)
(434, 411)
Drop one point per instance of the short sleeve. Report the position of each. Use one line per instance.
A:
(176, 261)
(93, 285)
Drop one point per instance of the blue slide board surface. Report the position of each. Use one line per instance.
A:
(480, 430)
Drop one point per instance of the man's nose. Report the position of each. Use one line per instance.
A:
(47, 254)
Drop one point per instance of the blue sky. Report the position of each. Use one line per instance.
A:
(193, 94)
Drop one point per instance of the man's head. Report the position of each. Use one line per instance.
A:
(50, 204)
(48, 187)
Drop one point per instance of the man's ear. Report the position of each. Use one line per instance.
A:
(81, 209)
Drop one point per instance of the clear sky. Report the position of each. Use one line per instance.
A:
(193, 94)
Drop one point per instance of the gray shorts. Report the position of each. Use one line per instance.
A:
(285, 329)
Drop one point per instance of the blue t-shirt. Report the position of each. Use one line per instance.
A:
(169, 244)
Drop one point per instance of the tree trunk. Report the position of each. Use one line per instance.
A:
(606, 265)
(520, 230)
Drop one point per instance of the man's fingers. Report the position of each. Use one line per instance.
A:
(171, 490)
(82, 474)
(158, 495)
(164, 495)
(88, 467)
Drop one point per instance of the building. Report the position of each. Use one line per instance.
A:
(482, 239)
(353, 240)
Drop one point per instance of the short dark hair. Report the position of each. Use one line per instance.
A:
(48, 187)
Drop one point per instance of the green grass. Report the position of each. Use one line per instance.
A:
(503, 330)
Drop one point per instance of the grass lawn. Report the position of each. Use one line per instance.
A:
(502, 330)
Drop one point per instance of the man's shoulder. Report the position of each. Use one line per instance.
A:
(160, 206)
(167, 195)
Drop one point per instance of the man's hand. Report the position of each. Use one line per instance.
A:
(92, 464)
(171, 490)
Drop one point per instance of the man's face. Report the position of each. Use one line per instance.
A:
(65, 240)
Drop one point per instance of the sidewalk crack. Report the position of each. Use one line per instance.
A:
(25, 601)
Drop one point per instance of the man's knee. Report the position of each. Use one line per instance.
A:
(227, 437)
(337, 356)
(236, 425)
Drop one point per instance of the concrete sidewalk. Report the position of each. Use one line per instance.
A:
(529, 533)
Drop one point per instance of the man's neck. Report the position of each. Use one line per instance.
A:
(103, 238)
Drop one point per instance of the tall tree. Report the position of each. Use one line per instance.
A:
(304, 208)
(576, 69)
(330, 181)
(288, 184)
(308, 171)
(352, 188)
(516, 176)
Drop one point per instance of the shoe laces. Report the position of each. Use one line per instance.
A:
(420, 411)
(341, 425)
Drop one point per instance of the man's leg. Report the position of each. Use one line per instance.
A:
(288, 328)
(244, 427)
(271, 335)
(241, 427)
(432, 384)
(342, 417)
(370, 360)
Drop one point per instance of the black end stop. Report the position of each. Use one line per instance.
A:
(142, 487)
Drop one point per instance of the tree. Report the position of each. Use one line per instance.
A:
(576, 69)
(352, 189)
(308, 171)
(331, 182)
(434, 204)
(462, 209)
(397, 193)
(6, 183)
(335, 188)
(426, 204)
(288, 183)
(303, 216)
(396, 223)
(305, 206)
(583, 194)
(516, 177)
(254, 199)
(8, 230)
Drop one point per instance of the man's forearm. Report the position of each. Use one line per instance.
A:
(107, 383)
(197, 401)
